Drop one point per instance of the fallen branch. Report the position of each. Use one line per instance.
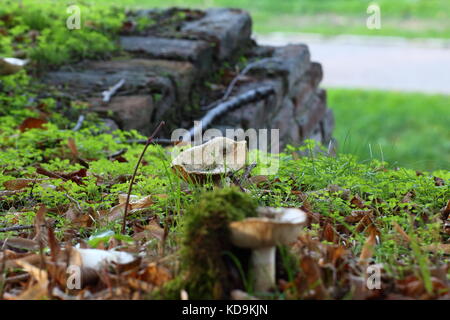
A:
(79, 123)
(107, 94)
(232, 104)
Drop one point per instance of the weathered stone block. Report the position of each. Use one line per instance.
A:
(285, 122)
(328, 125)
(196, 51)
(182, 75)
(130, 112)
(291, 62)
(230, 28)
(316, 109)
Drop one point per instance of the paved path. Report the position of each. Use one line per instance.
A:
(376, 63)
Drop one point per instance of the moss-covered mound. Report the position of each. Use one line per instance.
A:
(205, 272)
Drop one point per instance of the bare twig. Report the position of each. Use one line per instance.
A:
(161, 141)
(149, 141)
(232, 104)
(16, 228)
(107, 94)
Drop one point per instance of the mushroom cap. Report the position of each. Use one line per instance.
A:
(274, 226)
(10, 66)
(217, 156)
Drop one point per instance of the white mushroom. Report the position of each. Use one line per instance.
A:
(274, 226)
(214, 158)
(10, 66)
(96, 259)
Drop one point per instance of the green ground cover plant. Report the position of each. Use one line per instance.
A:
(37, 30)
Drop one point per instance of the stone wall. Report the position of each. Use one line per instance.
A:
(185, 60)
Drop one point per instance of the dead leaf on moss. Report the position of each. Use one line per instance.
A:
(17, 184)
(32, 123)
(136, 202)
(155, 274)
(368, 249)
(358, 202)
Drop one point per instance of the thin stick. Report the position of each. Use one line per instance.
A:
(16, 228)
(149, 140)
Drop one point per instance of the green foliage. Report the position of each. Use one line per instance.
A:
(38, 31)
(405, 18)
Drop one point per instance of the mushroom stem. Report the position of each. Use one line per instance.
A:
(263, 268)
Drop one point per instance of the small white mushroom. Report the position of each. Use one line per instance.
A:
(274, 226)
(214, 158)
(10, 66)
(96, 259)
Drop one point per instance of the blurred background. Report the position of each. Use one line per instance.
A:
(388, 86)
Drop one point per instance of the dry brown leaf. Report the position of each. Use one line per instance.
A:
(39, 290)
(22, 243)
(155, 230)
(39, 222)
(368, 248)
(32, 123)
(311, 273)
(117, 212)
(155, 274)
(258, 180)
(17, 184)
(329, 234)
(402, 232)
(77, 218)
(72, 146)
(445, 212)
(357, 202)
(357, 215)
(136, 202)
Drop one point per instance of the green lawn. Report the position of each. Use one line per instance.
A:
(405, 129)
(406, 18)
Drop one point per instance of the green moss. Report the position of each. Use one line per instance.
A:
(205, 240)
